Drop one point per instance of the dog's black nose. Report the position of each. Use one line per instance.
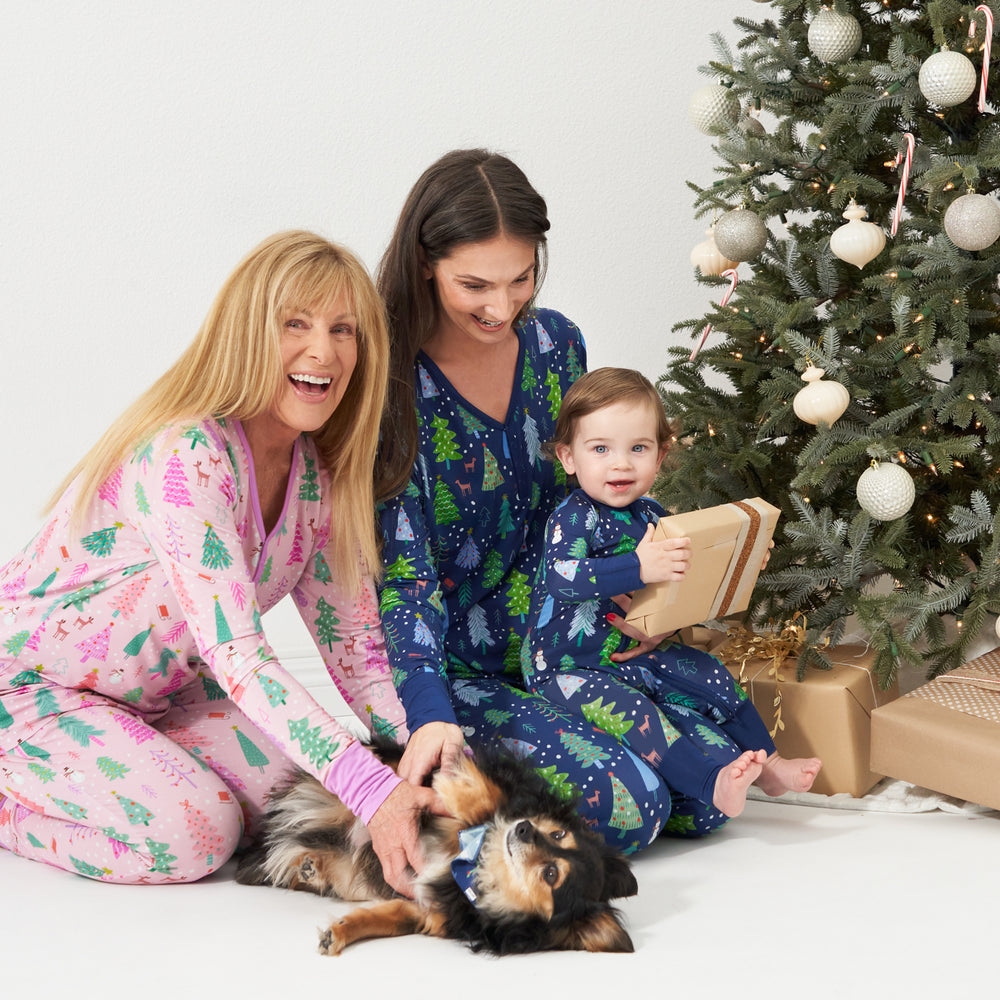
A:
(524, 831)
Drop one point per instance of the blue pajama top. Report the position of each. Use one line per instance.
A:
(464, 541)
(589, 558)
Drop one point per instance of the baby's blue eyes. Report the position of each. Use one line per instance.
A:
(602, 449)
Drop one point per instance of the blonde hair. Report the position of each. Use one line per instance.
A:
(599, 389)
(233, 368)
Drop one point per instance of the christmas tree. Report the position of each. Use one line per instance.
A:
(205, 838)
(444, 442)
(214, 554)
(584, 751)
(625, 813)
(255, 757)
(886, 469)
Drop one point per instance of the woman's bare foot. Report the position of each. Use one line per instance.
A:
(734, 779)
(779, 775)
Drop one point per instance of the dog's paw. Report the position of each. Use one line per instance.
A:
(331, 942)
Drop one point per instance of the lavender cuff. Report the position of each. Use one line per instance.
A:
(360, 780)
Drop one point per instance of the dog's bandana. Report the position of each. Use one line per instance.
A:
(463, 866)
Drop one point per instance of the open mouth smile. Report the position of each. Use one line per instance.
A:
(315, 386)
(488, 324)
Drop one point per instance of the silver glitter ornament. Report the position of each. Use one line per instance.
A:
(740, 234)
(972, 222)
(833, 37)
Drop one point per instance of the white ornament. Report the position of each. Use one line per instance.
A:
(713, 109)
(740, 234)
(997, 628)
(886, 491)
(947, 78)
(834, 37)
(708, 258)
(819, 400)
(857, 242)
(972, 222)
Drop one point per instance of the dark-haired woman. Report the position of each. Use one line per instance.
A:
(477, 378)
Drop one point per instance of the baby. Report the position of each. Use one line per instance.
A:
(676, 707)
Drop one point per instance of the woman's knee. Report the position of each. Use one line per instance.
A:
(190, 839)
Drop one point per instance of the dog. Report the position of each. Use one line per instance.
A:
(514, 869)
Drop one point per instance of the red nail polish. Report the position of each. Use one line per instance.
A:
(609, 618)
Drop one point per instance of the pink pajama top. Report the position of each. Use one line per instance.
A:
(164, 587)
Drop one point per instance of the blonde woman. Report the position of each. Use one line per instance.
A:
(143, 714)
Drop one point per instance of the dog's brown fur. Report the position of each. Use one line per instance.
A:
(544, 881)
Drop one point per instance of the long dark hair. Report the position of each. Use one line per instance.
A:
(467, 196)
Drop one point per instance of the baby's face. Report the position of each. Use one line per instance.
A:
(614, 453)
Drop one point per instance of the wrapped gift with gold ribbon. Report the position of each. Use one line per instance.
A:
(945, 735)
(728, 546)
(827, 714)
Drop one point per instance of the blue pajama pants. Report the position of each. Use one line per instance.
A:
(625, 793)
(678, 709)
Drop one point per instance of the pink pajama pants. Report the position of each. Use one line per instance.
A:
(100, 793)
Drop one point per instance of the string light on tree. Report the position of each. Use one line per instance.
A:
(820, 401)
(972, 221)
(885, 491)
(857, 242)
(833, 37)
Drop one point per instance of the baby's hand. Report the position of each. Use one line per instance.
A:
(664, 560)
(767, 556)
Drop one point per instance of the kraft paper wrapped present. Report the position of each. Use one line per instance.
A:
(828, 714)
(728, 545)
(945, 735)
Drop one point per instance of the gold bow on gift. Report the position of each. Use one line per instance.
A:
(744, 645)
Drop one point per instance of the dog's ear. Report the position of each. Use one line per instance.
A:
(598, 931)
(618, 878)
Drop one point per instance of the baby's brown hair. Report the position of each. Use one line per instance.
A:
(601, 388)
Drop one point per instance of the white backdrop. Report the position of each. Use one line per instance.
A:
(147, 146)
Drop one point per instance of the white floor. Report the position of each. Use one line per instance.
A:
(787, 900)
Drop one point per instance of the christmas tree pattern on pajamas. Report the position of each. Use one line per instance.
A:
(160, 594)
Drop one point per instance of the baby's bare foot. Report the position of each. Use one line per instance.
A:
(779, 775)
(734, 779)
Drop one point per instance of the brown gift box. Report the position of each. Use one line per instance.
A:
(828, 714)
(728, 545)
(945, 735)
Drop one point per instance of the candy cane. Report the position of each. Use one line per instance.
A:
(903, 180)
(733, 277)
(986, 49)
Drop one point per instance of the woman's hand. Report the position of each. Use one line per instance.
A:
(647, 643)
(395, 833)
(433, 745)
